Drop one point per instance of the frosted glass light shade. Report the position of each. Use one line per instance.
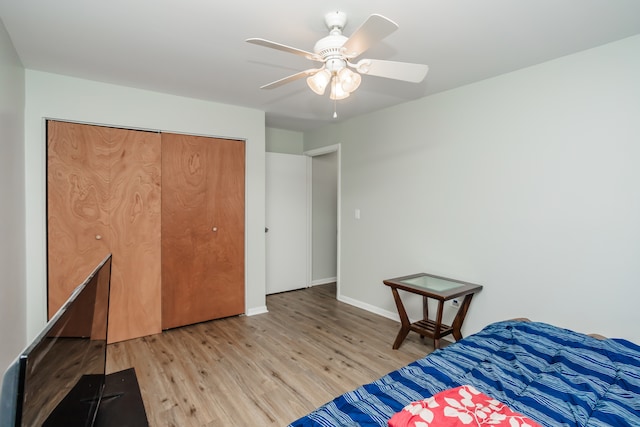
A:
(337, 92)
(349, 80)
(319, 81)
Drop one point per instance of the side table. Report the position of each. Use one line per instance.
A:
(439, 288)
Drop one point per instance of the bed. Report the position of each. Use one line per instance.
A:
(554, 376)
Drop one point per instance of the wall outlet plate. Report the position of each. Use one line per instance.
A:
(455, 302)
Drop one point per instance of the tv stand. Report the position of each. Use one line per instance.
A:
(121, 404)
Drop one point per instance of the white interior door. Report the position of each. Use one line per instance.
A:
(286, 219)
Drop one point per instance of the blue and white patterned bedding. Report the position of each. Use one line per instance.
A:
(555, 376)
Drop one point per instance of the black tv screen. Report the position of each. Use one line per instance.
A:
(59, 378)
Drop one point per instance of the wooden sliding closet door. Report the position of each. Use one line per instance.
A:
(134, 208)
(202, 229)
(77, 206)
(103, 195)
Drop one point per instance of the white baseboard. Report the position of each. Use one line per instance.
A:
(371, 308)
(257, 310)
(377, 310)
(324, 281)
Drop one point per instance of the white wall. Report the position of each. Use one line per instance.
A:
(527, 183)
(284, 141)
(12, 224)
(66, 98)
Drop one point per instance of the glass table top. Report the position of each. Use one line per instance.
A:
(430, 283)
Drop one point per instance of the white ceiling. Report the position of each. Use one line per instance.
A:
(196, 48)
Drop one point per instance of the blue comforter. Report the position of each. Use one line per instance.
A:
(555, 376)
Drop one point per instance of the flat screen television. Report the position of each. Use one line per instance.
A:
(58, 380)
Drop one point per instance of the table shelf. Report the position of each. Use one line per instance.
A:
(428, 328)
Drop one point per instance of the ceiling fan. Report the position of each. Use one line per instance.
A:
(337, 53)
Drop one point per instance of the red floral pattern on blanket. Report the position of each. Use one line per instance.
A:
(460, 406)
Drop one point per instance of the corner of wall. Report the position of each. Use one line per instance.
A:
(12, 208)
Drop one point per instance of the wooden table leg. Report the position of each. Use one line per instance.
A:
(425, 311)
(404, 319)
(438, 325)
(462, 313)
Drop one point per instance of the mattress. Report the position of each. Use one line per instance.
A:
(555, 376)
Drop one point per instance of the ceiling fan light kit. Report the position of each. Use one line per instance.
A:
(336, 52)
(319, 81)
(349, 80)
(337, 91)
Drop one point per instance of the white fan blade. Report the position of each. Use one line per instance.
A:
(406, 71)
(284, 48)
(374, 29)
(290, 78)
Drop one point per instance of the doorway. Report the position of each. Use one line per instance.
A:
(324, 216)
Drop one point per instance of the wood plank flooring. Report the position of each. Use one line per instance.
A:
(263, 370)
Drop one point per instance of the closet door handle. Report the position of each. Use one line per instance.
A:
(214, 229)
(98, 237)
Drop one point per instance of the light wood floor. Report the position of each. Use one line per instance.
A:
(263, 370)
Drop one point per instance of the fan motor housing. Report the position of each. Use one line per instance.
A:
(330, 45)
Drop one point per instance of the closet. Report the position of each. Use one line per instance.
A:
(106, 193)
